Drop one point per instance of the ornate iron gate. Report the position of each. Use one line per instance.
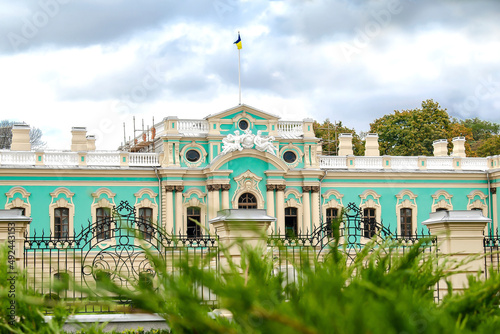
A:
(114, 246)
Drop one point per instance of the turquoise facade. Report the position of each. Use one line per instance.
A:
(292, 181)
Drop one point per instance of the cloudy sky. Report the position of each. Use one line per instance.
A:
(97, 63)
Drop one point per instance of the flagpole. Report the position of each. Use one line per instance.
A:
(239, 73)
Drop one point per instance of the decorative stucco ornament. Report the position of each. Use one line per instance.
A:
(238, 142)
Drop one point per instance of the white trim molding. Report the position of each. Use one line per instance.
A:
(18, 202)
(248, 182)
(370, 199)
(406, 199)
(195, 198)
(295, 201)
(195, 146)
(65, 201)
(477, 200)
(332, 199)
(441, 200)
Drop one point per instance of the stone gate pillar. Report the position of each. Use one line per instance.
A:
(13, 226)
(459, 235)
(248, 227)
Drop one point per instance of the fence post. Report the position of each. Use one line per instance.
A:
(459, 235)
(12, 228)
(246, 226)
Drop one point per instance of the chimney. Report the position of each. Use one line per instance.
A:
(20, 138)
(371, 145)
(78, 139)
(345, 144)
(458, 147)
(440, 147)
(90, 143)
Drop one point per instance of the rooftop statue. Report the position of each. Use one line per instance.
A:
(238, 142)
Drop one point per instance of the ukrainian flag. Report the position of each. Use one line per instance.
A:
(238, 42)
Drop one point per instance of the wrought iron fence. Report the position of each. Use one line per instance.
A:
(353, 232)
(116, 247)
(491, 246)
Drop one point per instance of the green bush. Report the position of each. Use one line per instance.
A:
(382, 291)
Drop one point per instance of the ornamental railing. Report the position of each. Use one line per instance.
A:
(137, 159)
(294, 128)
(144, 159)
(192, 126)
(403, 163)
(75, 159)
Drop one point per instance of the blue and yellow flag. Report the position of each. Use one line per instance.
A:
(238, 42)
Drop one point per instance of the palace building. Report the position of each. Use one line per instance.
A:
(186, 170)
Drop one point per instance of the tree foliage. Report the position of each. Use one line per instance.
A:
(330, 132)
(412, 132)
(6, 135)
(481, 133)
(489, 147)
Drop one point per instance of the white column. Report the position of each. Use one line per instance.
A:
(169, 209)
(216, 196)
(306, 204)
(213, 202)
(315, 207)
(179, 224)
(280, 207)
(225, 196)
(270, 206)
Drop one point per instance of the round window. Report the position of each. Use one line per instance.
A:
(289, 157)
(192, 155)
(243, 124)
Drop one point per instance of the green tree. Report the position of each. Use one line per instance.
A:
(412, 132)
(6, 135)
(329, 132)
(481, 131)
(489, 147)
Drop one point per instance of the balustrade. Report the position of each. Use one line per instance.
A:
(193, 126)
(144, 159)
(290, 128)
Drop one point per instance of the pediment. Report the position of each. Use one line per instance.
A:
(242, 109)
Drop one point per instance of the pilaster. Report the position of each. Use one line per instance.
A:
(169, 212)
(179, 224)
(280, 207)
(306, 201)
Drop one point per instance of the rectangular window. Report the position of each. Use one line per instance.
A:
(331, 214)
(145, 223)
(406, 219)
(291, 222)
(369, 222)
(103, 223)
(61, 223)
(193, 219)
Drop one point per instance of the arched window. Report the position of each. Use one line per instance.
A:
(61, 223)
(247, 201)
(406, 222)
(369, 222)
(193, 219)
(103, 221)
(290, 221)
(146, 217)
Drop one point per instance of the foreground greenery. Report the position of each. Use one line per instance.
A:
(381, 292)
